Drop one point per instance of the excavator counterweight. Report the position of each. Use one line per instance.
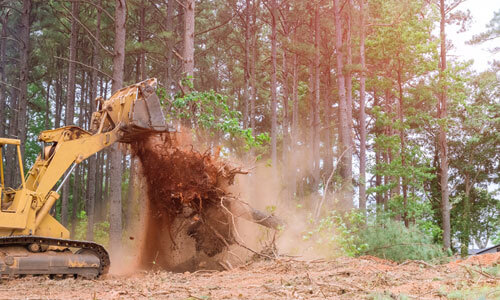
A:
(32, 241)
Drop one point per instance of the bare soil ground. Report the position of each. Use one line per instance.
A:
(341, 278)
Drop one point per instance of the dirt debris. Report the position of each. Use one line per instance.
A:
(341, 278)
(487, 259)
(188, 217)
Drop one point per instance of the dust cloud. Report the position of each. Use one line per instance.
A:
(190, 221)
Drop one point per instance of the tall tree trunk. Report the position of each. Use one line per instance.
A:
(74, 202)
(328, 153)
(70, 97)
(274, 86)
(286, 135)
(253, 62)
(98, 207)
(115, 186)
(316, 120)
(23, 74)
(309, 140)
(77, 187)
(465, 232)
(443, 145)
(295, 127)
(12, 177)
(3, 94)
(142, 39)
(47, 105)
(169, 24)
(59, 93)
(348, 75)
(246, 92)
(344, 123)
(379, 158)
(142, 71)
(362, 124)
(189, 9)
(93, 170)
(131, 193)
(402, 150)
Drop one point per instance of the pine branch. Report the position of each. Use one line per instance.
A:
(85, 65)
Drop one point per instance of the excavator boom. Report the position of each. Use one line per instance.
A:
(31, 240)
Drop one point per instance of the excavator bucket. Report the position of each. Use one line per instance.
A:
(134, 106)
(147, 111)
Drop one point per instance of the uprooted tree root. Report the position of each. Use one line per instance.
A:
(187, 195)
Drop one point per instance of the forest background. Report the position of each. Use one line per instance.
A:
(356, 106)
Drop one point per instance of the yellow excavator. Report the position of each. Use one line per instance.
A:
(32, 241)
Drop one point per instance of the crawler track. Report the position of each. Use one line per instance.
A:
(83, 262)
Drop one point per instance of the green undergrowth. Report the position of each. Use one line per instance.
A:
(353, 235)
(101, 230)
(390, 239)
(479, 293)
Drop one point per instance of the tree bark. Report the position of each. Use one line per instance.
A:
(348, 75)
(465, 234)
(362, 124)
(142, 38)
(47, 106)
(59, 93)
(131, 193)
(274, 86)
(295, 127)
(328, 153)
(74, 204)
(3, 94)
(78, 187)
(253, 62)
(443, 145)
(70, 97)
(317, 95)
(73, 49)
(12, 169)
(93, 170)
(23, 74)
(189, 9)
(169, 24)
(246, 92)
(402, 150)
(344, 123)
(115, 190)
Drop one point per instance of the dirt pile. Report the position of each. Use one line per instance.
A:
(188, 218)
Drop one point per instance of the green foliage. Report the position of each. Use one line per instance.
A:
(389, 239)
(36, 123)
(350, 234)
(479, 293)
(336, 234)
(474, 156)
(496, 236)
(101, 230)
(210, 112)
(493, 270)
(492, 33)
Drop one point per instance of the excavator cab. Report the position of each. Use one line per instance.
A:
(7, 193)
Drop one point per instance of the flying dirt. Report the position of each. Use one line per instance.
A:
(191, 217)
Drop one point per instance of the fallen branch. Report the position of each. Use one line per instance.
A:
(417, 261)
(245, 211)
